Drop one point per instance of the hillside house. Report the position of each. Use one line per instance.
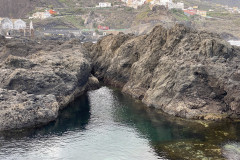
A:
(170, 4)
(195, 7)
(41, 15)
(178, 5)
(52, 12)
(202, 13)
(103, 27)
(167, 3)
(6, 24)
(189, 13)
(135, 3)
(19, 24)
(16, 28)
(104, 5)
(233, 9)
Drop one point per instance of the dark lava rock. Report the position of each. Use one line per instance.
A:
(181, 71)
(35, 83)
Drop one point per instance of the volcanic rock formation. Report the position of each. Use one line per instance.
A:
(36, 83)
(181, 71)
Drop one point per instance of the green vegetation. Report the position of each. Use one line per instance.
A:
(95, 25)
(128, 9)
(144, 13)
(67, 2)
(97, 31)
(219, 14)
(62, 1)
(236, 21)
(75, 21)
(179, 15)
(50, 6)
(78, 11)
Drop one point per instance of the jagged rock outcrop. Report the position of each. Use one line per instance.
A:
(26, 47)
(183, 72)
(36, 84)
(57, 73)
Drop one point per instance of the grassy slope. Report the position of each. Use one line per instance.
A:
(231, 3)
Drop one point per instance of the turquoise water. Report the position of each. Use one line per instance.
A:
(107, 125)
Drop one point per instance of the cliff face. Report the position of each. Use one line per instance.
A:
(183, 72)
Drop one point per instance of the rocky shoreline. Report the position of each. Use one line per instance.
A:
(37, 83)
(183, 72)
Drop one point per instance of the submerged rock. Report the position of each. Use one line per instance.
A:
(191, 150)
(183, 72)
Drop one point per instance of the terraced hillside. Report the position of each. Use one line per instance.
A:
(231, 3)
(20, 8)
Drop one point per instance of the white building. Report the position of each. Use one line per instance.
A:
(141, 2)
(41, 15)
(7, 24)
(167, 3)
(178, 5)
(13, 28)
(104, 4)
(19, 24)
(134, 3)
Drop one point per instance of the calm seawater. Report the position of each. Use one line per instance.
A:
(106, 125)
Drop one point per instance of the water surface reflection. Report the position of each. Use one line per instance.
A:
(107, 125)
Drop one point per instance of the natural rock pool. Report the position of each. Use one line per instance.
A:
(106, 125)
